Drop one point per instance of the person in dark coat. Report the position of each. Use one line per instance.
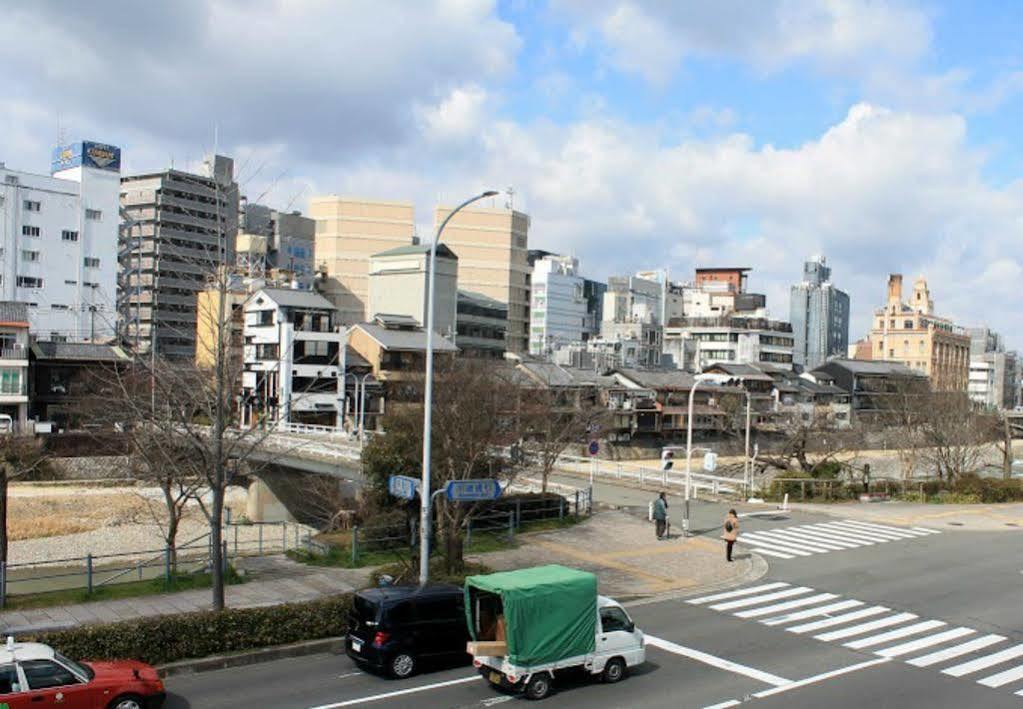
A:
(660, 515)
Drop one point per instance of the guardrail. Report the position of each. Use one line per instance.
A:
(622, 470)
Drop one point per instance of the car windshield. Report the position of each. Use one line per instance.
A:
(76, 667)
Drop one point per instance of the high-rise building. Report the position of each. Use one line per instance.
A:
(178, 232)
(58, 242)
(558, 309)
(912, 334)
(994, 373)
(349, 230)
(819, 313)
(279, 244)
(492, 248)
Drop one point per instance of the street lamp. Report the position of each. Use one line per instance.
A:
(424, 492)
(697, 380)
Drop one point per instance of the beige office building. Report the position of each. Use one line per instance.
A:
(912, 334)
(348, 231)
(491, 245)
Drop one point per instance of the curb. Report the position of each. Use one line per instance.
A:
(758, 569)
(334, 646)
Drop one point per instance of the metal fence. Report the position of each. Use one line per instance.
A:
(95, 571)
(598, 469)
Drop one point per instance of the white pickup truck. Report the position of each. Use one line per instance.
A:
(529, 624)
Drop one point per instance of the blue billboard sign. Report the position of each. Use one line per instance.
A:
(472, 490)
(403, 486)
(86, 153)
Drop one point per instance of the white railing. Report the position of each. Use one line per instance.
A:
(312, 429)
(646, 475)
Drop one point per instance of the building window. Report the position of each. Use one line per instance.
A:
(266, 317)
(11, 179)
(32, 206)
(29, 255)
(91, 262)
(57, 337)
(94, 214)
(27, 230)
(29, 282)
(10, 381)
(70, 283)
(58, 306)
(68, 235)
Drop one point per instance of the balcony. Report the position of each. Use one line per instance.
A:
(16, 352)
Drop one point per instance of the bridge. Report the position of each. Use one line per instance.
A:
(1015, 419)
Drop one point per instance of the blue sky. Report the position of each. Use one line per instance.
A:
(637, 134)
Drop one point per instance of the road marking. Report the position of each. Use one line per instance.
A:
(787, 605)
(881, 639)
(757, 600)
(984, 662)
(846, 537)
(398, 693)
(838, 619)
(866, 533)
(496, 700)
(718, 662)
(956, 651)
(880, 529)
(755, 540)
(797, 543)
(822, 537)
(807, 539)
(724, 705)
(866, 627)
(821, 677)
(925, 529)
(812, 613)
(736, 594)
(777, 554)
(1002, 677)
(855, 534)
(349, 674)
(929, 641)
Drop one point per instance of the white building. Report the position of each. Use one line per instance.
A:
(981, 384)
(13, 363)
(291, 358)
(58, 242)
(558, 307)
(696, 343)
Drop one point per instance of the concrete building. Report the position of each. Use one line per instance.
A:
(819, 313)
(292, 358)
(349, 230)
(876, 389)
(179, 228)
(482, 326)
(399, 280)
(65, 374)
(994, 373)
(274, 243)
(911, 333)
(593, 292)
(492, 248)
(558, 307)
(14, 353)
(58, 242)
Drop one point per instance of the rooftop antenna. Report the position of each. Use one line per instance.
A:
(510, 204)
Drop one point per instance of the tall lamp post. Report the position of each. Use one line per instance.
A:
(424, 492)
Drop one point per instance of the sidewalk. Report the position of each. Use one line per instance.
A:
(277, 580)
(628, 560)
(1006, 517)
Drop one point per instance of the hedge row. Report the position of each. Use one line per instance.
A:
(974, 488)
(201, 634)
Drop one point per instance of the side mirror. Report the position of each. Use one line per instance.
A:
(631, 627)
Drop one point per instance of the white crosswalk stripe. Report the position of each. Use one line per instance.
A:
(880, 630)
(826, 537)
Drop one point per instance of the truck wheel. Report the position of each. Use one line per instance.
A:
(539, 686)
(402, 665)
(614, 670)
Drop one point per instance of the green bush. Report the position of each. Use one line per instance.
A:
(968, 489)
(191, 635)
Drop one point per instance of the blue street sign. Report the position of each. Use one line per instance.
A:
(471, 490)
(594, 448)
(403, 486)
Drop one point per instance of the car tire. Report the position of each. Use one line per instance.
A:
(614, 670)
(128, 701)
(402, 666)
(538, 686)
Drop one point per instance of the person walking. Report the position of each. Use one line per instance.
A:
(660, 515)
(731, 533)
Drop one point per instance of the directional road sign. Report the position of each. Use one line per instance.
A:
(403, 486)
(472, 490)
(594, 448)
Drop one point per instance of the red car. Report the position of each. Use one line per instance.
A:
(33, 676)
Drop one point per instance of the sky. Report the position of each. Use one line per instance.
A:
(637, 134)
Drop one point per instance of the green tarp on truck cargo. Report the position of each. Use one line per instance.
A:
(550, 612)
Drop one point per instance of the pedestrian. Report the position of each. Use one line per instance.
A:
(660, 515)
(731, 533)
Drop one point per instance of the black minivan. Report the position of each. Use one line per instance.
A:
(399, 628)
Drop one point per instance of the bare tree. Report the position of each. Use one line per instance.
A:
(1002, 433)
(19, 456)
(954, 434)
(812, 446)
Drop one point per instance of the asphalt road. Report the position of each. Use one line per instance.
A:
(912, 585)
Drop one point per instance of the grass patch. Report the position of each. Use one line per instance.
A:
(131, 589)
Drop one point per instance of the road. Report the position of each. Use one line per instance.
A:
(847, 616)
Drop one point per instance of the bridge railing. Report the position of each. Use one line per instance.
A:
(645, 474)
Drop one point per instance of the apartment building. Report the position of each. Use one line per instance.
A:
(275, 243)
(482, 329)
(492, 248)
(179, 230)
(819, 313)
(558, 306)
(59, 241)
(911, 333)
(399, 282)
(994, 372)
(14, 332)
(349, 230)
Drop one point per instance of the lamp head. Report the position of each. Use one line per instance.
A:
(490, 193)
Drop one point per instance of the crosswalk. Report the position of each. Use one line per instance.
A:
(827, 537)
(990, 660)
